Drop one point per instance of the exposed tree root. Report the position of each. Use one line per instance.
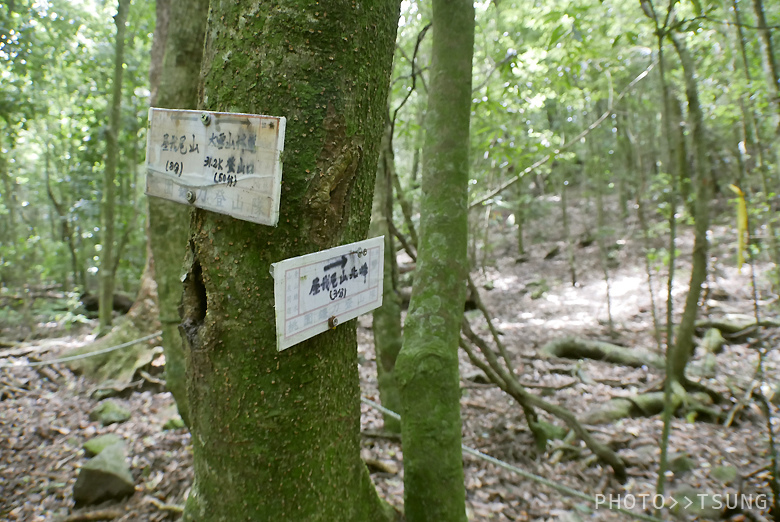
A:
(573, 348)
(736, 326)
(618, 408)
(499, 372)
(649, 404)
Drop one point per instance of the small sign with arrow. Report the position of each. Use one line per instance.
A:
(319, 291)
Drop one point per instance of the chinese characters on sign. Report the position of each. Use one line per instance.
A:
(318, 291)
(224, 162)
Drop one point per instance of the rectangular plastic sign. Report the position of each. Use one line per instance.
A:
(227, 163)
(319, 291)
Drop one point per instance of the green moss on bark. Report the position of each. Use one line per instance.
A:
(276, 435)
(427, 367)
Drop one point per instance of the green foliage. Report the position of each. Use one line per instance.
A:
(542, 73)
(55, 59)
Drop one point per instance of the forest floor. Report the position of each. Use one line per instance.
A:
(44, 411)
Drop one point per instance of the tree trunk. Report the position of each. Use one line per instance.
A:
(773, 91)
(523, 202)
(8, 233)
(769, 64)
(427, 366)
(109, 190)
(679, 152)
(276, 435)
(387, 318)
(684, 345)
(169, 221)
(566, 231)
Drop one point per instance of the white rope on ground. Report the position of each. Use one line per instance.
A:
(525, 474)
(83, 355)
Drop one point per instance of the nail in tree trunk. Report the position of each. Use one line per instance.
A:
(276, 435)
(109, 176)
(427, 367)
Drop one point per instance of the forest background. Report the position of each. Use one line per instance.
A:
(597, 124)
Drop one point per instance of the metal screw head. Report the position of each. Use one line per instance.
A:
(333, 322)
(190, 196)
(205, 118)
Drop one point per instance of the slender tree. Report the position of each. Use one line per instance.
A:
(427, 367)
(684, 343)
(276, 435)
(387, 318)
(169, 221)
(109, 177)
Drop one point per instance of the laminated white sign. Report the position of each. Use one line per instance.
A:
(319, 291)
(227, 163)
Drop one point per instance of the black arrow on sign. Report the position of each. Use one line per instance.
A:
(343, 263)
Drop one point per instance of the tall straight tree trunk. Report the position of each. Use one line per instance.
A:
(769, 64)
(427, 367)
(387, 318)
(276, 435)
(169, 221)
(109, 190)
(773, 90)
(8, 224)
(684, 344)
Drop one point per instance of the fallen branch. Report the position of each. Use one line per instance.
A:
(162, 506)
(89, 516)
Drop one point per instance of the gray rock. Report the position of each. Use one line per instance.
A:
(681, 462)
(94, 446)
(109, 412)
(105, 477)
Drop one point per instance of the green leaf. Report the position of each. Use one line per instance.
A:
(557, 34)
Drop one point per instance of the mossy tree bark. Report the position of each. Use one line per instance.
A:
(427, 367)
(276, 435)
(169, 221)
(387, 318)
(684, 343)
(109, 176)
